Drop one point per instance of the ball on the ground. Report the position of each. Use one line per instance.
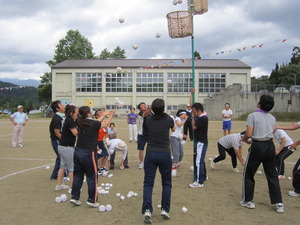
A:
(184, 210)
(122, 197)
(174, 173)
(118, 195)
(104, 174)
(159, 206)
(259, 172)
(101, 208)
(192, 168)
(135, 194)
(183, 142)
(108, 207)
(47, 167)
(110, 175)
(129, 195)
(63, 197)
(289, 178)
(57, 199)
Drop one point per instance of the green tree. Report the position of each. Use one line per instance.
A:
(295, 56)
(118, 53)
(73, 46)
(45, 88)
(105, 54)
(197, 55)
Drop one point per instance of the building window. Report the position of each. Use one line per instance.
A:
(88, 82)
(172, 107)
(113, 107)
(211, 82)
(149, 82)
(179, 82)
(119, 82)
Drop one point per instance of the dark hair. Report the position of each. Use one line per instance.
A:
(198, 106)
(112, 124)
(139, 105)
(180, 111)
(158, 107)
(227, 104)
(266, 102)
(54, 105)
(132, 108)
(81, 121)
(98, 110)
(242, 133)
(70, 109)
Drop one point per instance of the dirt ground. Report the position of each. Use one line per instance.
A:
(27, 193)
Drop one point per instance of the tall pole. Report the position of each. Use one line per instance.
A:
(193, 58)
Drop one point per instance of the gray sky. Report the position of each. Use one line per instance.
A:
(31, 29)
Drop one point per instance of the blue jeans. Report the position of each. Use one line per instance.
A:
(199, 162)
(54, 144)
(163, 161)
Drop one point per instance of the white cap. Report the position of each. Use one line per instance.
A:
(20, 106)
(121, 145)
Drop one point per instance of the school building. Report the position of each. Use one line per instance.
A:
(97, 83)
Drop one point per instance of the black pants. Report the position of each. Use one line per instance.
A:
(187, 127)
(85, 163)
(222, 155)
(284, 153)
(296, 177)
(112, 160)
(261, 152)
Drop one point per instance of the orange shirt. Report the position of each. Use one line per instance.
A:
(101, 134)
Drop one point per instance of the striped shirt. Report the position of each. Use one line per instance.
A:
(279, 134)
(231, 141)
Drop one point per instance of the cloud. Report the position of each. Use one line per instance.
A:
(30, 30)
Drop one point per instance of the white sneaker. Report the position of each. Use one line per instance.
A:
(196, 185)
(236, 170)
(61, 187)
(165, 214)
(93, 204)
(249, 205)
(20, 145)
(147, 217)
(66, 179)
(75, 202)
(141, 166)
(212, 164)
(279, 207)
(294, 194)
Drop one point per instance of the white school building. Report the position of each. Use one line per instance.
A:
(97, 82)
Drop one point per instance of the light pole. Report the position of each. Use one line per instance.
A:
(181, 24)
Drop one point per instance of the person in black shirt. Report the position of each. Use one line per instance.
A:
(187, 127)
(66, 147)
(158, 154)
(55, 132)
(85, 161)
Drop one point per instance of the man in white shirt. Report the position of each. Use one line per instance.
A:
(19, 120)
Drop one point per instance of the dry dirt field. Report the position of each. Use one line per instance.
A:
(27, 194)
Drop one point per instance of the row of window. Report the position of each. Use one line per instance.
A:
(149, 82)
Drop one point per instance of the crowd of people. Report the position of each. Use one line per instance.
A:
(85, 145)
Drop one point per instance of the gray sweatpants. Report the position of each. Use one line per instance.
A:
(176, 149)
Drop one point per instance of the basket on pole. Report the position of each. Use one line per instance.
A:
(198, 6)
(180, 24)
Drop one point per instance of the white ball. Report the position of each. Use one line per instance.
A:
(104, 174)
(57, 199)
(183, 142)
(184, 210)
(106, 192)
(110, 175)
(47, 167)
(107, 184)
(101, 208)
(135, 47)
(157, 35)
(110, 185)
(131, 192)
(108, 207)
(119, 69)
(179, 1)
(121, 20)
(169, 81)
(174, 173)
(122, 197)
(107, 188)
(102, 184)
(118, 195)
(159, 206)
(175, 2)
(259, 172)
(289, 178)
(192, 168)
(210, 159)
(63, 197)
(135, 194)
(129, 195)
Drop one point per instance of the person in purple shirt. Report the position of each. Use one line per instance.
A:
(131, 120)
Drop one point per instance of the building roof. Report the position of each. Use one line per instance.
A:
(151, 63)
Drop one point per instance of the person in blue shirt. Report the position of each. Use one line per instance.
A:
(19, 120)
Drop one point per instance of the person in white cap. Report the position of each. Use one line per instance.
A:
(117, 145)
(19, 120)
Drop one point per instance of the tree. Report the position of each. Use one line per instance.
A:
(295, 56)
(105, 54)
(118, 53)
(73, 46)
(197, 55)
(45, 88)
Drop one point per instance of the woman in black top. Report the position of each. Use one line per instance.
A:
(85, 161)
